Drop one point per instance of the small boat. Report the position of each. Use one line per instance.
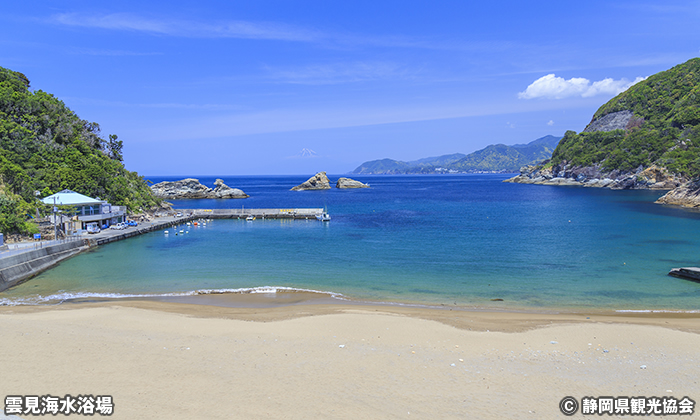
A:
(324, 217)
(250, 218)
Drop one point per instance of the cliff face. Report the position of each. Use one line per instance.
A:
(192, 188)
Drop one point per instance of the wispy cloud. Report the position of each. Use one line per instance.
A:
(553, 87)
(685, 7)
(106, 52)
(229, 125)
(186, 28)
(163, 105)
(337, 73)
(190, 28)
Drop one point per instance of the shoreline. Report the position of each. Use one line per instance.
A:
(276, 296)
(286, 305)
(315, 361)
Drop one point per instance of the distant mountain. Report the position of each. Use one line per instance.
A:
(493, 158)
(307, 153)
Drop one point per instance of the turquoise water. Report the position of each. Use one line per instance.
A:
(449, 240)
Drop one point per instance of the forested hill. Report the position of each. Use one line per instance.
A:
(493, 158)
(656, 121)
(45, 148)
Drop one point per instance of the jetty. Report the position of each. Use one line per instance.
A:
(242, 213)
(687, 273)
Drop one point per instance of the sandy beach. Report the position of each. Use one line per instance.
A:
(185, 361)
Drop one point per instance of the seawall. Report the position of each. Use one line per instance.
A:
(17, 268)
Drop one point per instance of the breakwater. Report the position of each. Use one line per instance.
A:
(242, 213)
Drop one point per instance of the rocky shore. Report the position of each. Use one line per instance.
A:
(192, 188)
(682, 192)
(687, 195)
(653, 177)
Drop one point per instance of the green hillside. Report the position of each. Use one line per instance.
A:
(663, 127)
(493, 158)
(45, 148)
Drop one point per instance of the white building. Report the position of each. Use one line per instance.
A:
(84, 210)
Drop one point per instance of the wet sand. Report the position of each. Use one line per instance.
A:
(300, 357)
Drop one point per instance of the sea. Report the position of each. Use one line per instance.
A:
(469, 241)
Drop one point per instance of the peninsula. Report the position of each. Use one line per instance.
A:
(647, 137)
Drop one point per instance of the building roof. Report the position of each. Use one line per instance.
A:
(70, 198)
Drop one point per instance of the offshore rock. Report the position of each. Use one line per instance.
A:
(317, 182)
(192, 188)
(222, 190)
(687, 195)
(350, 183)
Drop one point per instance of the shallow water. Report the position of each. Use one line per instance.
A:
(458, 240)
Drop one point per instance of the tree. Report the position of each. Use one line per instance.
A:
(115, 148)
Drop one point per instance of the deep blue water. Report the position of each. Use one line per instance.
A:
(461, 239)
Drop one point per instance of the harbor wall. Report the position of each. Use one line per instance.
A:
(17, 268)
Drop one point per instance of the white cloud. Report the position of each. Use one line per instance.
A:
(550, 123)
(553, 87)
(610, 87)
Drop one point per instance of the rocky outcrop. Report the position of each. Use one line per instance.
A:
(192, 188)
(222, 190)
(350, 183)
(621, 120)
(686, 195)
(317, 182)
(653, 177)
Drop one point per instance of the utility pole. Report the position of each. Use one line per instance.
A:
(55, 227)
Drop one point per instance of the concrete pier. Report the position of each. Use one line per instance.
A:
(242, 213)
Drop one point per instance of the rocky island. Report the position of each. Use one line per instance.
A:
(647, 137)
(192, 188)
(350, 183)
(319, 181)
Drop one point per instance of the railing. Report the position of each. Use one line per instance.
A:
(101, 216)
(19, 248)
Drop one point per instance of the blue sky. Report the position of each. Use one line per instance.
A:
(242, 87)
